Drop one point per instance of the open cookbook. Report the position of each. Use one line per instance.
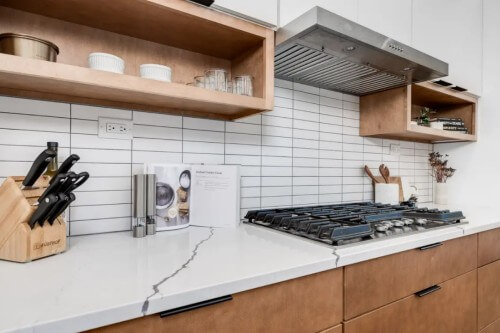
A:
(202, 195)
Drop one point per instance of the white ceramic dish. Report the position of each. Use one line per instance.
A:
(106, 62)
(156, 72)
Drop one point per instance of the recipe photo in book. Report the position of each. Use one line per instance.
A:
(173, 194)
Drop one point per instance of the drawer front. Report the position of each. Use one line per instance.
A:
(375, 283)
(290, 306)
(451, 309)
(492, 328)
(488, 247)
(488, 297)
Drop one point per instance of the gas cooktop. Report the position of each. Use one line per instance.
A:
(341, 224)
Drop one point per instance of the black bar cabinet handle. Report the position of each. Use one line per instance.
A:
(195, 306)
(430, 246)
(427, 291)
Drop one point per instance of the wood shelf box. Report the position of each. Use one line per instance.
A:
(186, 37)
(388, 114)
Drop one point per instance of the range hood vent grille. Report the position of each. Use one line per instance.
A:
(325, 50)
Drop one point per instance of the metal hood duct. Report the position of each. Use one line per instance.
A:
(325, 50)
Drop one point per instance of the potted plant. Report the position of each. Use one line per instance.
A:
(440, 172)
(424, 119)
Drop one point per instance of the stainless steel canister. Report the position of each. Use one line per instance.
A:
(28, 46)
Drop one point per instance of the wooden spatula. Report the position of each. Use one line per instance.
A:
(370, 174)
(384, 172)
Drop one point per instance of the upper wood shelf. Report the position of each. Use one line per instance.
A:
(78, 84)
(170, 22)
(184, 36)
(388, 114)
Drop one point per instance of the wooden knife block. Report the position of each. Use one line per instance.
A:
(18, 242)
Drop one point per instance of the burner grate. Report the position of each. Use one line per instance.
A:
(340, 223)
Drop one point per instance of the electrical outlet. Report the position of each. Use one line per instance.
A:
(115, 128)
(395, 149)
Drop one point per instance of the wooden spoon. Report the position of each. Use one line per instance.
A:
(370, 174)
(384, 172)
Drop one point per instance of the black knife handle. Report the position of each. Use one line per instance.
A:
(38, 167)
(71, 177)
(55, 183)
(43, 210)
(59, 209)
(81, 178)
(66, 165)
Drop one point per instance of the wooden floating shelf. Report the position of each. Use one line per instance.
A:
(186, 37)
(37, 78)
(388, 114)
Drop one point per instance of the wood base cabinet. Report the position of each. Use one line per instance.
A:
(488, 247)
(450, 309)
(488, 294)
(309, 304)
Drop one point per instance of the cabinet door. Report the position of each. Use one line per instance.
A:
(262, 10)
(388, 17)
(375, 283)
(488, 247)
(451, 30)
(488, 294)
(291, 9)
(451, 309)
(492, 328)
(309, 304)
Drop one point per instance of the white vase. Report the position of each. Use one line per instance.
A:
(441, 193)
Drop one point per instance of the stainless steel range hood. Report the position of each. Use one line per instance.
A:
(325, 50)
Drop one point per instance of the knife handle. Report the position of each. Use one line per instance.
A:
(71, 177)
(66, 165)
(60, 208)
(40, 164)
(81, 178)
(43, 210)
(55, 183)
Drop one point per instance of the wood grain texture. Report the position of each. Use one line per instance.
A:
(18, 242)
(70, 80)
(488, 294)
(388, 114)
(375, 283)
(449, 310)
(488, 247)
(290, 306)
(336, 329)
(177, 23)
(492, 328)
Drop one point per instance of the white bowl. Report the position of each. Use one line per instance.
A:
(156, 72)
(106, 62)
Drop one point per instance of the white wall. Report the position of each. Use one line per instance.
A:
(478, 178)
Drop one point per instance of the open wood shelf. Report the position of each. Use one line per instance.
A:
(388, 114)
(186, 37)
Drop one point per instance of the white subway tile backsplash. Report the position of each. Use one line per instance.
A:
(306, 151)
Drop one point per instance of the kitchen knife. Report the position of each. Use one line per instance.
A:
(43, 210)
(54, 186)
(37, 168)
(66, 165)
(60, 207)
(71, 177)
(81, 178)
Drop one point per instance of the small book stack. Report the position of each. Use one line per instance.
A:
(449, 124)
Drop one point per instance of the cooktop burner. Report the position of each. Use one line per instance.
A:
(348, 223)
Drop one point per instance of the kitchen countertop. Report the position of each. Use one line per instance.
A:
(108, 278)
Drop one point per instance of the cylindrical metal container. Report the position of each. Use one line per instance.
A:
(28, 46)
(139, 205)
(150, 204)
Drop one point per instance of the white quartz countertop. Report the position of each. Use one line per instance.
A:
(108, 278)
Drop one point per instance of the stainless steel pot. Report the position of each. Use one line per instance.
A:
(28, 46)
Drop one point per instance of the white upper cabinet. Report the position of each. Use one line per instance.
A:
(291, 9)
(261, 10)
(388, 17)
(451, 30)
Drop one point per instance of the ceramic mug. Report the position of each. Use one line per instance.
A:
(387, 193)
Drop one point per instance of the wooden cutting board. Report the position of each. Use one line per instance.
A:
(393, 180)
